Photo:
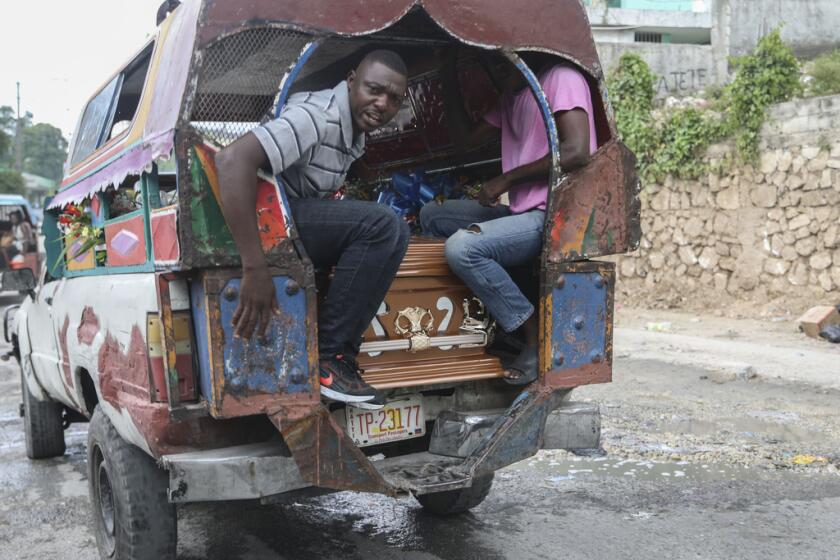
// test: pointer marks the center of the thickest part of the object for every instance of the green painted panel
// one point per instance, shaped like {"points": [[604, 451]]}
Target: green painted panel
{"points": [[53, 244], [211, 235]]}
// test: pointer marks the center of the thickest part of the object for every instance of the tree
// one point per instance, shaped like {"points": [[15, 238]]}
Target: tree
{"points": [[7, 120], [5, 144], [44, 151], [11, 182], [8, 125]]}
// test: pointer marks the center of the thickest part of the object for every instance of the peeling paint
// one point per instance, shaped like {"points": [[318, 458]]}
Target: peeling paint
{"points": [[88, 327], [118, 368]]}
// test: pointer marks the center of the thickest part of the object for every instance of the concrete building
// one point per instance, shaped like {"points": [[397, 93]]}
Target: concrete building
{"points": [[811, 27], [687, 43]]}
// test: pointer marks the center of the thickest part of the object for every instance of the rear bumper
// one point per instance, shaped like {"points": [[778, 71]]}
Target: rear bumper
{"points": [[258, 471], [243, 472]]}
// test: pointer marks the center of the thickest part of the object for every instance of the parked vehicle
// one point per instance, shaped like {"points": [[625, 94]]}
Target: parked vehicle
{"points": [[16, 251], [130, 324]]}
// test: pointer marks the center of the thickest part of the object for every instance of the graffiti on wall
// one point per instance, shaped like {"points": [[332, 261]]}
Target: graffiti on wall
{"points": [[683, 81]]}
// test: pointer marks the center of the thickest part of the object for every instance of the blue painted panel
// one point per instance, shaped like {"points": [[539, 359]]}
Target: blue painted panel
{"points": [[579, 313], [202, 338], [106, 271], [279, 365], [287, 85]]}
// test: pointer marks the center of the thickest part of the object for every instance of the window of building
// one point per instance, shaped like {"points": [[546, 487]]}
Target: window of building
{"points": [[652, 37]]}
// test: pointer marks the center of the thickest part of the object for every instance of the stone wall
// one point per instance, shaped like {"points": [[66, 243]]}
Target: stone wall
{"points": [[763, 233]]}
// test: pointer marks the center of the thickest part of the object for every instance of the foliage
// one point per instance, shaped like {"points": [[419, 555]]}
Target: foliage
{"points": [[44, 151], [767, 76], [662, 146], [673, 142], [824, 74], [43, 148], [682, 138], [11, 182], [631, 93], [7, 120], [5, 144]]}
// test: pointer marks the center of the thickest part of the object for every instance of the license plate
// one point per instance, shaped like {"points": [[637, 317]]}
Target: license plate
{"points": [[401, 418]]}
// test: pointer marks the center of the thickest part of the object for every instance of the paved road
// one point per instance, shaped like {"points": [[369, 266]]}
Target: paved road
{"points": [[696, 467]]}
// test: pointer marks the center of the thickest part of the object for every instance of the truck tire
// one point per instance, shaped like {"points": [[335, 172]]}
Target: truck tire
{"points": [[132, 517], [42, 424], [457, 501]]}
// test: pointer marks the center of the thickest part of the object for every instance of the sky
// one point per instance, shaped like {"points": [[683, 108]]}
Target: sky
{"points": [[62, 51]]}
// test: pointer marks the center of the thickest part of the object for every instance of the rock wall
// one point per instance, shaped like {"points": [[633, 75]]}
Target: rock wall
{"points": [[762, 234]]}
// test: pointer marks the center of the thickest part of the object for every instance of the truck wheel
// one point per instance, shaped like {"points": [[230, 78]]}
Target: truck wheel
{"points": [[457, 501], [42, 425], [132, 517]]}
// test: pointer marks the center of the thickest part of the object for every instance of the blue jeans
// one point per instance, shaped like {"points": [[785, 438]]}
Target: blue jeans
{"points": [[482, 243], [365, 242]]}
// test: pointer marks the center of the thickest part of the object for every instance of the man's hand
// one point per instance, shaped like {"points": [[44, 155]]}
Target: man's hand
{"points": [[257, 303], [492, 190]]}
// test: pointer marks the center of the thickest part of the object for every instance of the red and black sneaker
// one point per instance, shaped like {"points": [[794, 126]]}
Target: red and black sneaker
{"points": [[341, 380]]}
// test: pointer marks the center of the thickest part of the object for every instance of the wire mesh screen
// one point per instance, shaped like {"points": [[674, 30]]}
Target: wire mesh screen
{"points": [[239, 80]]}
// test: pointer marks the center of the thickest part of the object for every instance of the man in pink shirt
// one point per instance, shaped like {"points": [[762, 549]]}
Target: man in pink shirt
{"points": [[485, 237]]}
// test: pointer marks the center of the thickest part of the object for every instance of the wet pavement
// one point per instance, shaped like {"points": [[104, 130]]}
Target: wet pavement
{"points": [[690, 469]]}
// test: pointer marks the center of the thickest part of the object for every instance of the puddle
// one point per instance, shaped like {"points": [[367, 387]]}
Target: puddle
{"points": [[750, 427], [579, 468]]}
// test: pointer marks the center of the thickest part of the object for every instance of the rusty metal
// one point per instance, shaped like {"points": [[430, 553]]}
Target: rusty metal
{"points": [[518, 434], [599, 369], [226, 400], [292, 287], [326, 456], [595, 210], [561, 26]]}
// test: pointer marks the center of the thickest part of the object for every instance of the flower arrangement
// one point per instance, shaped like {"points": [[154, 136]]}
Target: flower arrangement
{"points": [[76, 225]]}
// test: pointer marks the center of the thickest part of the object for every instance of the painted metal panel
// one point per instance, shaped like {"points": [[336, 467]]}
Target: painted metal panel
{"points": [[208, 237], [208, 232], [595, 210], [166, 247], [76, 260], [276, 366], [578, 316], [112, 169], [109, 345], [43, 342], [559, 25], [125, 241], [243, 378], [202, 338]]}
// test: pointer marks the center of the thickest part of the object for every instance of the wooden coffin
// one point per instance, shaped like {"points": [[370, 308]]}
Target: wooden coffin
{"points": [[425, 283]]}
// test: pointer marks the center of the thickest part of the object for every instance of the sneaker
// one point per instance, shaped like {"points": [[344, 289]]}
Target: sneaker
{"points": [[341, 381], [374, 404]]}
